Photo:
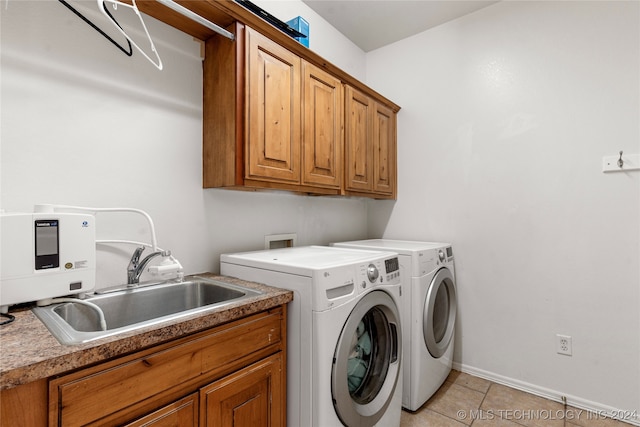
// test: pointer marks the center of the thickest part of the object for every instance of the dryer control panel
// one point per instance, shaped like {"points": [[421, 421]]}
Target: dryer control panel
{"points": [[445, 254]]}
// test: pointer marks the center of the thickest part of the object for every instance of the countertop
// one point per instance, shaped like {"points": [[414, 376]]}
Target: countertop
{"points": [[28, 351]]}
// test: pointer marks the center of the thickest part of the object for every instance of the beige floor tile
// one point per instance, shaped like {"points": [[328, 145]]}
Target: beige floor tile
{"points": [[427, 418], [522, 408], [598, 423], [456, 402], [493, 422], [583, 418], [474, 383], [467, 400], [453, 375]]}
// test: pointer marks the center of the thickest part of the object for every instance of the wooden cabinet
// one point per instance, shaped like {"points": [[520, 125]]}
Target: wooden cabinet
{"points": [[370, 146], [358, 141], [250, 397], [322, 127], [183, 413], [272, 124], [246, 398], [275, 120], [271, 119], [231, 375], [24, 405]]}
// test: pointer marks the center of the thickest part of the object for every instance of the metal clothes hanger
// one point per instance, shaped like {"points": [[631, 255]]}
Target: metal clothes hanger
{"points": [[103, 8], [169, 3], [127, 52]]}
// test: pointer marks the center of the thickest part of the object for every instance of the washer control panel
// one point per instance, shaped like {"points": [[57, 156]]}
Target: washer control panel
{"points": [[372, 273], [392, 268], [384, 271]]}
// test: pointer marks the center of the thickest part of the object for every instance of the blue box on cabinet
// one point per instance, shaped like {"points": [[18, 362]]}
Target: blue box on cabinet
{"points": [[301, 25]]}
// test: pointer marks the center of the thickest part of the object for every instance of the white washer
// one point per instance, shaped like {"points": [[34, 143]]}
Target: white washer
{"points": [[429, 312], [344, 337]]}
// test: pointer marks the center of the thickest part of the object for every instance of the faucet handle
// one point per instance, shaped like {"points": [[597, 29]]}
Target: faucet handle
{"points": [[135, 258]]}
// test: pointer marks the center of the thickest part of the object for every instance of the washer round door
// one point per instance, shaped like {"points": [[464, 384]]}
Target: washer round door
{"points": [[366, 362], [439, 313]]}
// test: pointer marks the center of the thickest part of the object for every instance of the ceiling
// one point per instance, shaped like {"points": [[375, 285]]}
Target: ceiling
{"points": [[371, 24]]}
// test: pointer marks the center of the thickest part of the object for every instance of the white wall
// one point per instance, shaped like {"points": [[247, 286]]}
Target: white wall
{"points": [[506, 115], [83, 124]]}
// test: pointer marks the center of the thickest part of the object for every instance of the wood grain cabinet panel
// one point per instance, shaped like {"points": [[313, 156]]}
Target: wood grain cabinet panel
{"points": [[358, 141], [95, 396], [273, 111], [384, 150], [24, 405], [183, 413], [322, 138], [249, 398], [370, 146]]}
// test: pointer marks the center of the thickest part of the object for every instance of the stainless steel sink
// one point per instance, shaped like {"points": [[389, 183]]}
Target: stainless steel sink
{"points": [[130, 309]]}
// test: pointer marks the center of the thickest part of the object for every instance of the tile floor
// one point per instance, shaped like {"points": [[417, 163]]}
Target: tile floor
{"points": [[465, 400]]}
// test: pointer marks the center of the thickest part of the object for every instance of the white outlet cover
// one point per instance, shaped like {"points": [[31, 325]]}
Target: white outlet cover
{"points": [[564, 345]]}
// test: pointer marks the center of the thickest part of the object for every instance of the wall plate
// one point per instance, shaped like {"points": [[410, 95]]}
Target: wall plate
{"points": [[276, 241], [630, 162]]}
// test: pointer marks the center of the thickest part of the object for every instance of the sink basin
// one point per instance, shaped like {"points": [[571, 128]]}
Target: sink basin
{"points": [[130, 309]]}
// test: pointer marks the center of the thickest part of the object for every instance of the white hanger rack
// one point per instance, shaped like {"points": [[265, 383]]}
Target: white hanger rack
{"points": [[197, 18], [168, 3], [134, 7]]}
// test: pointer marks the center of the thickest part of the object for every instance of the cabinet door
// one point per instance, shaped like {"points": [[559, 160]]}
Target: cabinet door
{"points": [[272, 122], [384, 150], [322, 124], [370, 146], [358, 141], [251, 397], [183, 413]]}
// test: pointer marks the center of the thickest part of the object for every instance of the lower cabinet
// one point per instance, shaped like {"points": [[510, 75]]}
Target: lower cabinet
{"points": [[231, 375], [183, 413], [250, 397], [247, 398]]}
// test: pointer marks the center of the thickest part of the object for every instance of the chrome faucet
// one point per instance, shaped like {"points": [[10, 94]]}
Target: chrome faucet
{"points": [[136, 267]]}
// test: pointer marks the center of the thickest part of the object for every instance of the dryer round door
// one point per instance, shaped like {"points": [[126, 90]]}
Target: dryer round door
{"points": [[366, 362], [439, 313]]}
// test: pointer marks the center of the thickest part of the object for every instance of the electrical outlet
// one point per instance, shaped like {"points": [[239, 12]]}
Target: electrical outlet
{"points": [[563, 344]]}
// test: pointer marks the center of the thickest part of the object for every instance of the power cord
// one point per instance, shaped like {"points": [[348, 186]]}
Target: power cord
{"points": [[10, 318]]}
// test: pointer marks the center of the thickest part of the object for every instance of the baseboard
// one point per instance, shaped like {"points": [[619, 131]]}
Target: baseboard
{"points": [[556, 396]]}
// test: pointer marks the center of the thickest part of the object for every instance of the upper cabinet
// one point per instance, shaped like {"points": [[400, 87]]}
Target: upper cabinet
{"points": [[272, 125], [384, 150], [293, 118], [275, 118], [370, 148], [322, 128]]}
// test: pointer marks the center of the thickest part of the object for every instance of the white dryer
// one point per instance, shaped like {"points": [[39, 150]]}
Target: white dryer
{"points": [[344, 337], [429, 313]]}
